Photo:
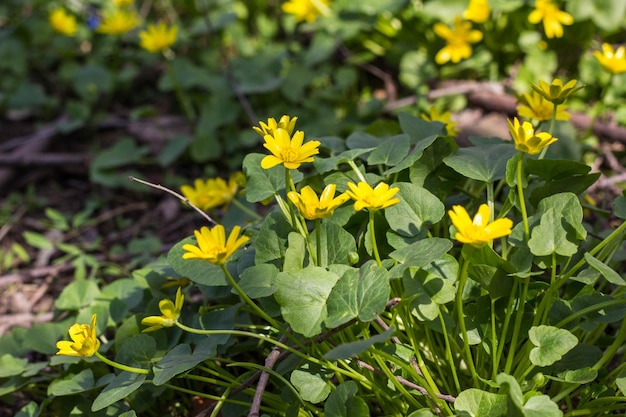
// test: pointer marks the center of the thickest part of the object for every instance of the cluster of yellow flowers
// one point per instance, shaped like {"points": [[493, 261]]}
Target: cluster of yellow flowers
{"points": [[117, 19]]}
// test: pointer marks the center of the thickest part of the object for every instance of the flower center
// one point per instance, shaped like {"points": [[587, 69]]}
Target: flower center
{"points": [[289, 154]]}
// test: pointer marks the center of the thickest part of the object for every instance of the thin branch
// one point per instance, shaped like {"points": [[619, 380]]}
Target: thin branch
{"points": [[270, 361], [174, 193], [405, 382]]}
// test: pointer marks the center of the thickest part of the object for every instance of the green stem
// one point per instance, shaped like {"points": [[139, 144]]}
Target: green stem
{"points": [[249, 301], [449, 356], [463, 276], [541, 315], [121, 366], [517, 326], [246, 210], [180, 95], [373, 236], [349, 373], [494, 342], [318, 240], [507, 321], [550, 130], [520, 193], [357, 171]]}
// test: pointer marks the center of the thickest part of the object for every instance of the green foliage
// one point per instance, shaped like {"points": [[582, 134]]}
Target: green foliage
{"points": [[376, 312]]}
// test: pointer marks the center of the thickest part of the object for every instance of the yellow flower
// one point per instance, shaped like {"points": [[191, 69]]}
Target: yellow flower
{"points": [[118, 21], [288, 151], [63, 22], [478, 231], [525, 138], [84, 341], [477, 11], [534, 106], [213, 246], [312, 207], [123, 3], [157, 38], [551, 16], [170, 313], [307, 10], [434, 115], [287, 123], [458, 40], [214, 192], [556, 92], [370, 198], [613, 61]]}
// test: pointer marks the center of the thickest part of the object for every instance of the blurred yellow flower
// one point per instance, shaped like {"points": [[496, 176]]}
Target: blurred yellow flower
{"points": [[170, 313], [613, 61], [123, 3], [434, 115], [458, 41], [556, 92], [118, 21], [552, 18], [63, 22], [213, 246], [477, 11], [311, 207], [373, 199], [525, 138], [534, 106], [214, 192], [287, 123], [157, 38], [290, 152], [84, 341], [478, 231], [308, 10]]}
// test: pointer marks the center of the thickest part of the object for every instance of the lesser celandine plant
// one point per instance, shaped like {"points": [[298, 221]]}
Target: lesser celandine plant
{"points": [[500, 305], [397, 274]]}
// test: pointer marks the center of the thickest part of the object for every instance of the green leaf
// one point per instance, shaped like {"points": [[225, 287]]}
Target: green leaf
{"points": [[570, 211], [323, 165], [550, 237], [551, 343], [264, 183], [72, 384], [312, 387], [619, 207], [302, 296], [181, 359], [37, 240], [575, 184], [390, 152], [258, 73], [576, 376], [361, 293], [606, 14], [479, 403], [137, 351], [486, 163], [295, 253], [343, 402], [259, 280], [92, 80], [419, 129], [120, 387], [127, 290], [428, 287], [197, 270], [606, 271], [553, 169], [10, 365], [336, 242], [105, 168], [29, 410], [417, 208], [77, 295], [419, 254], [351, 349], [271, 242], [541, 406]]}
